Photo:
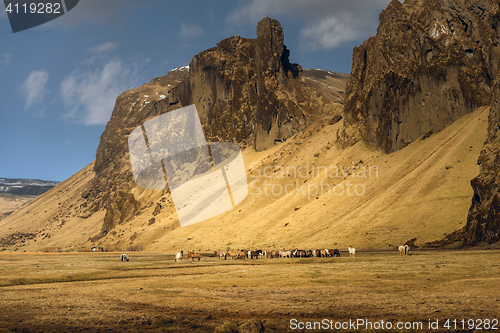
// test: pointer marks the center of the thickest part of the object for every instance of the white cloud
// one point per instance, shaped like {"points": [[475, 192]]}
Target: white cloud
{"points": [[103, 48], [34, 87], [331, 32], [189, 32], [326, 23], [91, 95], [5, 58]]}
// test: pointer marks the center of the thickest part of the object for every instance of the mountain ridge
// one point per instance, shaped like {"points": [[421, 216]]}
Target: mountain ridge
{"points": [[247, 92]]}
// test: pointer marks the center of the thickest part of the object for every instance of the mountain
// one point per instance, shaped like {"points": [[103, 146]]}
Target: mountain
{"points": [[15, 193], [320, 173], [429, 64], [330, 84], [25, 186], [483, 222], [245, 90]]}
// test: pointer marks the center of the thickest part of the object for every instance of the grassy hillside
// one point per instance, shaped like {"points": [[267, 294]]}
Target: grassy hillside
{"points": [[422, 192]]}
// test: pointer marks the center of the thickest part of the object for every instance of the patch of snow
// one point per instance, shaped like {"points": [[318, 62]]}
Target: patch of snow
{"points": [[182, 68], [439, 30], [162, 97]]}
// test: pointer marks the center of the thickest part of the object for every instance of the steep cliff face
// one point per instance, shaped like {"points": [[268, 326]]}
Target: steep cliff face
{"points": [[246, 91], [428, 65], [483, 221]]}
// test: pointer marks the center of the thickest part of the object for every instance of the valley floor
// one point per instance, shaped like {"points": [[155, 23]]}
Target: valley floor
{"points": [[96, 292]]}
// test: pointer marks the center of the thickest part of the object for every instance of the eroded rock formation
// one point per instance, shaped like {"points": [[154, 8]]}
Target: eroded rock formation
{"points": [[428, 65], [483, 221], [246, 91]]}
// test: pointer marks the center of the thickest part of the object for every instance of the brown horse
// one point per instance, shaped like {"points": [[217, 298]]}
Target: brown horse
{"points": [[193, 255]]}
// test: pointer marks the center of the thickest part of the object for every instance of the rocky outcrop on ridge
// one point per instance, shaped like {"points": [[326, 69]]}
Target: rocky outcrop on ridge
{"points": [[429, 64], [245, 90]]}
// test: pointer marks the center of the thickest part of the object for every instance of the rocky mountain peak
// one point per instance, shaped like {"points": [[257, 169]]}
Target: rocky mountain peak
{"points": [[246, 91]]}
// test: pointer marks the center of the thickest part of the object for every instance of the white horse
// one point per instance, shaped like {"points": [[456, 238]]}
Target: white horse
{"points": [[123, 257], [178, 256], [404, 250], [285, 254], [352, 251]]}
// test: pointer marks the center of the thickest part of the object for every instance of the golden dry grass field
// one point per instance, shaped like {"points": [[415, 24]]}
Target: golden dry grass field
{"points": [[96, 292]]}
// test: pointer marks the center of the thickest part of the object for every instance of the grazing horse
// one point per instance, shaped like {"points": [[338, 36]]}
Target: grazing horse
{"points": [[324, 253], [254, 254], [300, 254], [193, 255], [274, 254], [221, 254], [336, 253], [285, 254], [352, 251], [178, 256], [317, 253], [404, 250], [309, 253], [233, 254], [263, 254], [123, 257]]}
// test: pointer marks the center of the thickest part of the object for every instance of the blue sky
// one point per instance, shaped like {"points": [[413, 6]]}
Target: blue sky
{"points": [[59, 81]]}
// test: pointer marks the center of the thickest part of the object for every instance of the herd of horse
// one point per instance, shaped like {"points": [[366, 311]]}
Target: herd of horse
{"points": [[256, 254], [260, 254]]}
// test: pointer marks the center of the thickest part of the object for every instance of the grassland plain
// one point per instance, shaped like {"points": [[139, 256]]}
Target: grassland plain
{"points": [[96, 292]]}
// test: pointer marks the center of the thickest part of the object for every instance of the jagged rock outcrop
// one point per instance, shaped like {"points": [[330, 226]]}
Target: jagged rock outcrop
{"points": [[245, 90], [483, 221], [428, 65]]}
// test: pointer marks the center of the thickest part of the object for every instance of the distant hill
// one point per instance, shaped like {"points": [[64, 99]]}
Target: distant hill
{"points": [[25, 186], [15, 193], [330, 84]]}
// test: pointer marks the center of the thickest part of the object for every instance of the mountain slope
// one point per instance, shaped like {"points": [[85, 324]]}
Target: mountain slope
{"points": [[293, 138], [422, 192]]}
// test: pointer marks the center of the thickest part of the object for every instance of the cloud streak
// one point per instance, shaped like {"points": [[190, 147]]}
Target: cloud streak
{"points": [[90, 95], [104, 48], [34, 87], [189, 32], [326, 24]]}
